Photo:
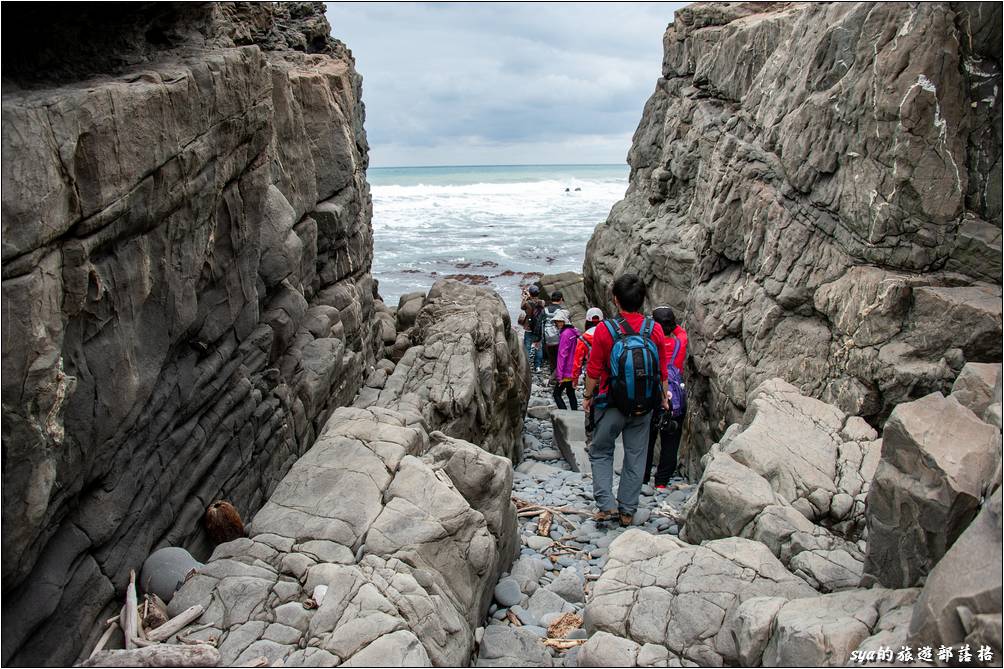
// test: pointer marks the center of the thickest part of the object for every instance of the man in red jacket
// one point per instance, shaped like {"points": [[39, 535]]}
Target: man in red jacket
{"points": [[608, 422]]}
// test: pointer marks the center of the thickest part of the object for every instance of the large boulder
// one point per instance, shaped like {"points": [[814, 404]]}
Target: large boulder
{"points": [[394, 539], [464, 371], [938, 459], [816, 188], [793, 475], [659, 590], [962, 598], [186, 286], [572, 292]]}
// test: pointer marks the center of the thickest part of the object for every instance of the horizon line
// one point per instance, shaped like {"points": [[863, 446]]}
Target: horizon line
{"points": [[395, 167]]}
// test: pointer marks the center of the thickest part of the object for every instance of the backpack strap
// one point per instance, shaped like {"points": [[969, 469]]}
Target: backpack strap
{"points": [[582, 338], [647, 326], [625, 326], [613, 327], [676, 349]]}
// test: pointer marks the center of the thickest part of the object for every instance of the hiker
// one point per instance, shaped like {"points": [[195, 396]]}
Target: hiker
{"points": [[550, 335], [566, 350], [582, 347], [667, 426], [626, 378], [593, 317], [530, 316]]}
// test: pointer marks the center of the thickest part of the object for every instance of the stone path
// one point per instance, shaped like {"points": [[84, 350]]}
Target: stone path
{"points": [[554, 572]]}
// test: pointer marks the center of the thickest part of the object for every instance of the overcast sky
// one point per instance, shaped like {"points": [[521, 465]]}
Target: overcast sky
{"points": [[503, 83]]}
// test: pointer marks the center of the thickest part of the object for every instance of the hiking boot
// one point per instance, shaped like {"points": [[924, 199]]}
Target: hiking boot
{"points": [[626, 519], [604, 516]]}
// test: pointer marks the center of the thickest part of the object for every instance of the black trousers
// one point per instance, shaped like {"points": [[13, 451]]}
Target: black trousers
{"points": [[669, 436], [551, 352], [565, 386]]}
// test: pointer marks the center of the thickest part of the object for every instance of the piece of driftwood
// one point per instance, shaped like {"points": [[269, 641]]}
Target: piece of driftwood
{"points": [[129, 617], [513, 619], [160, 655], [562, 644], [154, 612], [260, 661], [175, 624], [100, 646], [560, 628], [544, 523]]}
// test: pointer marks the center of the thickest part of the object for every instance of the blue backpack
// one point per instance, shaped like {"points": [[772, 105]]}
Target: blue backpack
{"points": [[635, 381], [676, 387]]}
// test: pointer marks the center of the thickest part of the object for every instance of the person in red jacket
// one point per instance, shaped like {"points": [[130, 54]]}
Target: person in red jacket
{"points": [[629, 296], [593, 317], [665, 428]]}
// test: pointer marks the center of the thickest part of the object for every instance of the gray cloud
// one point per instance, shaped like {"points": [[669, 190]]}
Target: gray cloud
{"points": [[457, 83]]}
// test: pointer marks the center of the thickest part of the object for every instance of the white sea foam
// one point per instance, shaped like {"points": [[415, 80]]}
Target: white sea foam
{"points": [[495, 222]]}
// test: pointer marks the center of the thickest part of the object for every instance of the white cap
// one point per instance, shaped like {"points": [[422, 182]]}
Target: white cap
{"points": [[594, 312], [561, 315]]}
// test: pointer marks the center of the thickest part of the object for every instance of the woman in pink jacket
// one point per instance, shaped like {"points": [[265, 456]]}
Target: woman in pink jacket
{"points": [[566, 353]]}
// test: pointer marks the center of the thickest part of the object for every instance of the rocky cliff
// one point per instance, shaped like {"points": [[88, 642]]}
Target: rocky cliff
{"points": [[186, 284], [818, 187]]}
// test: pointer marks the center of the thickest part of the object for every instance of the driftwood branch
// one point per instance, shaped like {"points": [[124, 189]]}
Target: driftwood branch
{"points": [[562, 644], [100, 646], [260, 661], [129, 616], [160, 655], [175, 624]]}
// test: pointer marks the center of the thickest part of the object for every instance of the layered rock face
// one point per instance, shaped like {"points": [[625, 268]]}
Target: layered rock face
{"points": [[819, 187], [186, 287]]}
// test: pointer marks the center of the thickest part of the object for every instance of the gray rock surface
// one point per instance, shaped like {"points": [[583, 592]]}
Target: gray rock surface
{"points": [[186, 288], [572, 291], [659, 590], [937, 460], [408, 533], [793, 475], [464, 371], [964, 586], [818, 206]]}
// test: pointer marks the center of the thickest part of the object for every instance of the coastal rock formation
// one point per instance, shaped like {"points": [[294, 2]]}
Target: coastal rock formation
{"points": [[938, 459], [819, 187], [572, 291], [380, 547], [962, 598], [186, 286], [463, 369], [687, 599], [793, 475]]}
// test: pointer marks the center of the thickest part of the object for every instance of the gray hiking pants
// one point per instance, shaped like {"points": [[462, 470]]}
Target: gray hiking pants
{"points": [[609, 423]]}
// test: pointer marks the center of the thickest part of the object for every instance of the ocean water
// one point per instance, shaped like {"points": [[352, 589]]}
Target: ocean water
{"points": [[500, 226]]}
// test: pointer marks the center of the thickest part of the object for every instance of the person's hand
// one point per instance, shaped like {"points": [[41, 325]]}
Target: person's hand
{"points": [[586, 403], [665, 403]]}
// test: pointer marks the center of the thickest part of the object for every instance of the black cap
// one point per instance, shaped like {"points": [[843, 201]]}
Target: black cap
{"points": [[556, 295], [665, 317], [533, 290]]}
